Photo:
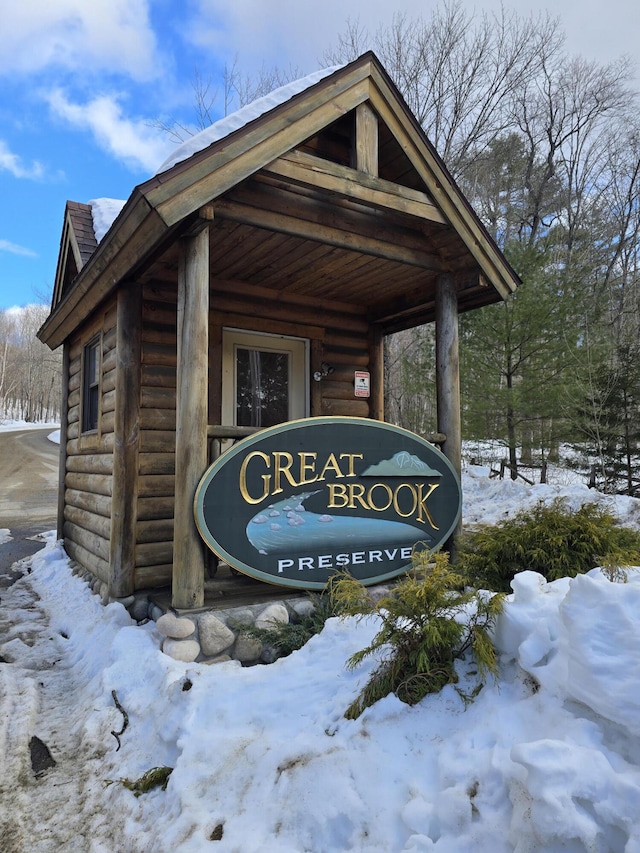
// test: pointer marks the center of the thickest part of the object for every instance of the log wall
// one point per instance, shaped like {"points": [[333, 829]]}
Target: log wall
{"points": [[88, 480], [340, 336], [156, 458]]}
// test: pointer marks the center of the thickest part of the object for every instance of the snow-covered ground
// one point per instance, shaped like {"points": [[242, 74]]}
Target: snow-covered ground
{"points": [[546, 759]]}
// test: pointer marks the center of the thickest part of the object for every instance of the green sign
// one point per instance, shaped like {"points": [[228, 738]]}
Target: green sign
{"points": [[297, 502]]}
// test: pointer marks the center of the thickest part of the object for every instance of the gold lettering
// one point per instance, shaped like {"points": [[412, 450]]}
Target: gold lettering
{"points": [[331, 465], [389, 497], [337, 492], [351, 457], [279, 469], [422, 504], [356, 491], [309, 466], [396, 503], [243, 477]]}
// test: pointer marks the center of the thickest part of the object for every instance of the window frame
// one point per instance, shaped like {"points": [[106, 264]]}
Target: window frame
{"points": [[91, 386], [296, 347]]}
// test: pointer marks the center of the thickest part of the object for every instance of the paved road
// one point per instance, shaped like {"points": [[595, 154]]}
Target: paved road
{"points": [[28, 491]]}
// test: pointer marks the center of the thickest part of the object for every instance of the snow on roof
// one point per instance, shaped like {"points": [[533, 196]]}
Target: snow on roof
{"points": [[104, 212], [224, 126]]}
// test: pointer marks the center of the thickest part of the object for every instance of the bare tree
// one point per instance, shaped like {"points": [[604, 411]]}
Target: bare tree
{"points": [[29, 372]]}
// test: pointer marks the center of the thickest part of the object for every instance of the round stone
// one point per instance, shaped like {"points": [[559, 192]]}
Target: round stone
{"points": [[247, 649], [183, 650], [140, 608], [215, 637], [272, 616], [171, 626]]}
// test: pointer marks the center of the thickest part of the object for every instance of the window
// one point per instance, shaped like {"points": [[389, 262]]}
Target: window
{"points": [[90, 385], [264, 379]]}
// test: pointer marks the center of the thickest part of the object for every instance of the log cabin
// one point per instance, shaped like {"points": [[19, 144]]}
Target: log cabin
{"points": [[284, 242]]}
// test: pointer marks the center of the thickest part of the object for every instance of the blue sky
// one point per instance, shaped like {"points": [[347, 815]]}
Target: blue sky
{"points": [[82, 83]]}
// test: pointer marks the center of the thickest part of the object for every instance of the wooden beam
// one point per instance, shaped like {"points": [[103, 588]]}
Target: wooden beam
{"points": [[137, 237], [376, 371], [366, 140], [445, 192], [308, 170], [448, 379], [64, 415], [191, 417], [448, 369], [322, 233], [125, 451], [210, 173]]}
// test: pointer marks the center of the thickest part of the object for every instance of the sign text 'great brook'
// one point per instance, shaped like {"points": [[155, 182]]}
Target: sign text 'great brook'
{"points": [[296, 502]]}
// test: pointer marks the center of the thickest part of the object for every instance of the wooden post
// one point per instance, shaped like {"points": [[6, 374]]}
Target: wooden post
{"points": [[366, 140], [376, 370], [317, 354], [191, 416], [448, 379], [64, 418], [122, 540]]}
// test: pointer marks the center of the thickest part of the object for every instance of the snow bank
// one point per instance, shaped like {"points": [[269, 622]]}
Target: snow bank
{"points": [[546, 759]]}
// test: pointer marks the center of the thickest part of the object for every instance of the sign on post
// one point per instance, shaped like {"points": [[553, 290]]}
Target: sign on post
{"points": [[297, 502]]}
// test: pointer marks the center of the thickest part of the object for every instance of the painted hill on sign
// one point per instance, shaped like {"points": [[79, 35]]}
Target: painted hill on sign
{"points": [[398, 466]]}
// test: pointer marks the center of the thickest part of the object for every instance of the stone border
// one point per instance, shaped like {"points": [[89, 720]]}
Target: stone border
{"points": [[211, 636], [208, 636]]}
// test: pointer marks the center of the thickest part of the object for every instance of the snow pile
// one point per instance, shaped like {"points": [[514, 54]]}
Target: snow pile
{"points": [[546, 759], [104, 212]]}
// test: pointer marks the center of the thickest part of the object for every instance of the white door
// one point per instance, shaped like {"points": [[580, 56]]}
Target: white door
{"points": [[264, 378]]}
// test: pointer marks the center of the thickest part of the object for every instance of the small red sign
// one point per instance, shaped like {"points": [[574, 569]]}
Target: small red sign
{"points": [[362, 383]]}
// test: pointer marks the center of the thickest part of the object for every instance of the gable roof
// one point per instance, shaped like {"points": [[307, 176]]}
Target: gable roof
{"points": [[292, 152]]}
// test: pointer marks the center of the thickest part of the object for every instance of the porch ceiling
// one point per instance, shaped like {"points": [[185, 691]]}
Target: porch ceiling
{"points": [[275, 234]]}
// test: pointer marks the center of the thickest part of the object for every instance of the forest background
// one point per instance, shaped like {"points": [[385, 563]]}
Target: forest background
{"points": [[546, 146]]}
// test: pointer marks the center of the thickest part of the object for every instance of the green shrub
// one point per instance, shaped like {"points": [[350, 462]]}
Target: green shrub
{"points": [[287, 637], [423, 631], [552, 540]]}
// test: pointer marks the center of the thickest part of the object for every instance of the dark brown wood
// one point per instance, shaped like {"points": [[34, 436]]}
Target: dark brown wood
{"points": [[149, 577], [62, 464], [125, 454], [151, 507], [191, 417], [305, 169], [154, 530], [448, 371], [215, 373], [376, 370], [321, 231], [345, 408], [156, 463], [448, 382], [317, 357]]}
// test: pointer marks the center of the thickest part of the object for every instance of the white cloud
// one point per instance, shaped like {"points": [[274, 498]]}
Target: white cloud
{"points": [[78, 34], [132, 141], [291, 31], [13, 164], [14, 249]]}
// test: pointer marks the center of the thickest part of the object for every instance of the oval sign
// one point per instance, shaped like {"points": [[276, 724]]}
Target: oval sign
{"points": [[297, 502]]}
